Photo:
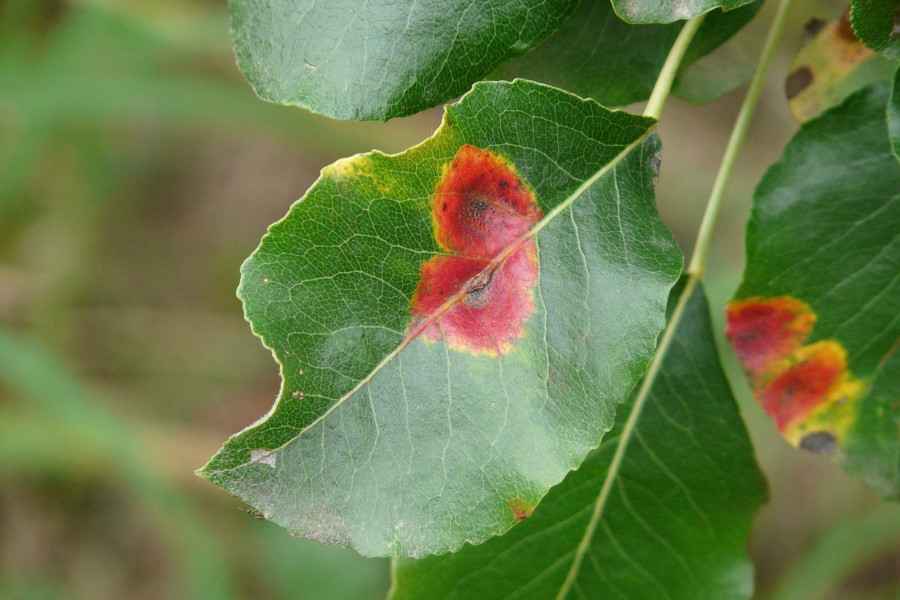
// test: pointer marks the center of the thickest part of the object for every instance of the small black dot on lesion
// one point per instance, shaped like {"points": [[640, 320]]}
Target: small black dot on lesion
{"points": [[819, 442], [477, 293], [476, 206]]}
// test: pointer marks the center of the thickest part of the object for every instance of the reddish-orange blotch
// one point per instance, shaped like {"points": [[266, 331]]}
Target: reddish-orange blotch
{"points": [[478, 296]]}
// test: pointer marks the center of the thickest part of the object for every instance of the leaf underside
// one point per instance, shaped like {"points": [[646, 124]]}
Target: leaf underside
{"points": [[407, 446], [674, 523]]}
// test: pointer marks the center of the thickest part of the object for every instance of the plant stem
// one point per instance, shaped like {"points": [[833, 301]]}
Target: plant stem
{"points": [[625, 438], [738, 133], [654, 109], [663, 84]]}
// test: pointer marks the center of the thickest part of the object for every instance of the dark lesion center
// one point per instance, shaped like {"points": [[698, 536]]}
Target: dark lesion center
{"points": [[477, 289], [476, 206], [819, 442]]}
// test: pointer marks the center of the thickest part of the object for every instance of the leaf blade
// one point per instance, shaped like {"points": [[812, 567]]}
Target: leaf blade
{"points": [[651, 11], [329, 290], [877, 23]]}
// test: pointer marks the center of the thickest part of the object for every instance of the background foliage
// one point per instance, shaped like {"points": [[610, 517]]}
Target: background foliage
{"points": [[137, 170]]}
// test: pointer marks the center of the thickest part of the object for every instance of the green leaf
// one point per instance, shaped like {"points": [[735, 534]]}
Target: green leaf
{"points": [[394, 444], [830, 67], [893, 115], [814, 321], [596, 54], [381, 59], [655, 11], [668, 519], [877, 23]]}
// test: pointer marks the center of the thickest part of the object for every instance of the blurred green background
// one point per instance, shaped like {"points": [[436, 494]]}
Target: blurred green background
{"points": [[137, 171]]}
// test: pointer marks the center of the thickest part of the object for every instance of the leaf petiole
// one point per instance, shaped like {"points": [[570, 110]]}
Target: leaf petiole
{"points": [[663, 84], [735, 141]]}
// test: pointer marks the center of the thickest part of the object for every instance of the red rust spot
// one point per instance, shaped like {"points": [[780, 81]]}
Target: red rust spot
{"points": [[481, 208], [521, 508], [764, 330], [799, 386], [480, 205], [814, 374]]}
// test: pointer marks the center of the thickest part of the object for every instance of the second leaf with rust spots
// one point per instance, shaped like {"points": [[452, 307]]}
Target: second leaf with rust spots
{"points": [[814, 322], [455, 325]]}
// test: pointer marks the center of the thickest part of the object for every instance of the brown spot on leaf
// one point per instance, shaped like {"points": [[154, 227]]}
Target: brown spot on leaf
{"points": [[521, 508], [813, 27], [254, 512], [797, 81], [655, 163]]}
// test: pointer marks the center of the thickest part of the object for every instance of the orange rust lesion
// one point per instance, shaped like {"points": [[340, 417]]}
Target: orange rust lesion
{"points": [[765, 330], [480, 205], [807, 389], [479, 295], [521, 508], [811, 378]]}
